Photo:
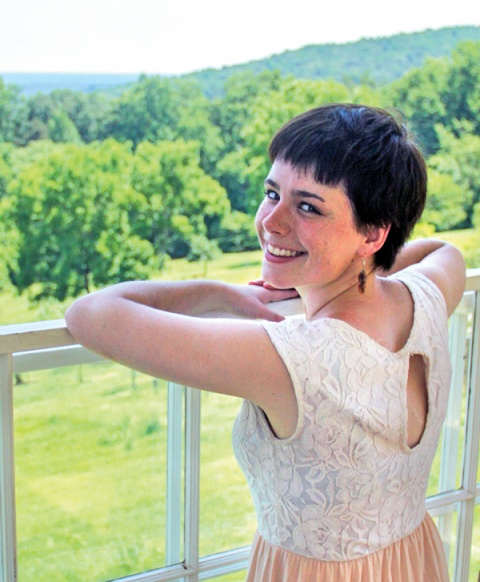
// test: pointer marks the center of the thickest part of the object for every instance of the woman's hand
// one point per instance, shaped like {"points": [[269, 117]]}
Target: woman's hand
{"points": [[262, 283], [250, 301]]}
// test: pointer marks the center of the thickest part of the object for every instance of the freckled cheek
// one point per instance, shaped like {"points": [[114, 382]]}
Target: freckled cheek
{"points": [[321, 252]]}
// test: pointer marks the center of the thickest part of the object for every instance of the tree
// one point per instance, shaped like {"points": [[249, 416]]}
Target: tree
{"points": [[175, 199], [236, 233], [418, 95], [458, 157], [443, 209], [233, 111], [86, 111], [471, 251], [9, 235], [62, 115], [72, 218], [62, 129], [148, 111], [39, 110], [11, 111], [6, 170], [202, 249], [232, 174], [462, 89], [195, 124]]}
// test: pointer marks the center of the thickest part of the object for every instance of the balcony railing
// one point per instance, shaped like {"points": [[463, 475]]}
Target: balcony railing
{"points": [[47, 345]]}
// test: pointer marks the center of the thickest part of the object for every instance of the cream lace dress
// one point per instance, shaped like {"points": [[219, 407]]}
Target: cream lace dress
{"points": [[343, 499]]}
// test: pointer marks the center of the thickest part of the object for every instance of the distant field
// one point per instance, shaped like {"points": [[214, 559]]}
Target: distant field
{"points": [[462, 239], [90, 452], [229, 267]]}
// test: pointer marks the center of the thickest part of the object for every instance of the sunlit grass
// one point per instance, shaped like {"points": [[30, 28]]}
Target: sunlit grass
{"points": [[90, 454], [229, 267], [460, 238]]}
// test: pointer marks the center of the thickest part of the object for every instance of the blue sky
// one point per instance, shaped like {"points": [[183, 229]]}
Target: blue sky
{"points": [[178, 36]]}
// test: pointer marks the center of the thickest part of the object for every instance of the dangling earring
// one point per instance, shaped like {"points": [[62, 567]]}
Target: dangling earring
{"points": [[362, 278]]}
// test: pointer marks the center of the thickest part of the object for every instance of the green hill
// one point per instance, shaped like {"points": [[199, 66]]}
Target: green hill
{"points": [[376, 60]]}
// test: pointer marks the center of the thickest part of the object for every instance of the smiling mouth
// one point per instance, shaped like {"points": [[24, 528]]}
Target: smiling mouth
{"points": [[280, 252]]}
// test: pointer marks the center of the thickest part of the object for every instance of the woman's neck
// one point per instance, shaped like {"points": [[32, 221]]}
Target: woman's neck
{"points": [[322, 304]]}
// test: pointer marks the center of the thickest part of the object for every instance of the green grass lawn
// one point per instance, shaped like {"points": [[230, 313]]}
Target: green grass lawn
{"points": [[90, 472], [90, 452], [460, 238], [231, 267]]}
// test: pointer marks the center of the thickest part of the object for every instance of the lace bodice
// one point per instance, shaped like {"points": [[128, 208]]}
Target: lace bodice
{"points": [[346, 484]]}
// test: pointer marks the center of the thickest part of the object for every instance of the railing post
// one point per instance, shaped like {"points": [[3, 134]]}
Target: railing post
{"points": [[472, 433], [8, 565], [192, 479], [174, 473], [457, 339]]}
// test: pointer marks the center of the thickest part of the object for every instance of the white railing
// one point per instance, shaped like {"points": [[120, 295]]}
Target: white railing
{"points": [[46, 345]]}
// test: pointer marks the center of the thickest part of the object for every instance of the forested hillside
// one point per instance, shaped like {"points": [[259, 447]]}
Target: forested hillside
{"points": [[95, 189], [371, 60]]}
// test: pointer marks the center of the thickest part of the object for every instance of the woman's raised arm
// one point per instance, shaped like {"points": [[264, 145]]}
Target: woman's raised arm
{"points": [[439, 261], [155, 327]]}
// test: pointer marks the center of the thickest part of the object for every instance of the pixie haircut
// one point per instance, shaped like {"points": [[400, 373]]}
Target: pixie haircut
{"points": [[368, 153]]}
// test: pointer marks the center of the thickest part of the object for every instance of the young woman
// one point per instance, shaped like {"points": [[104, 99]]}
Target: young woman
{"points": [[343, 407]]}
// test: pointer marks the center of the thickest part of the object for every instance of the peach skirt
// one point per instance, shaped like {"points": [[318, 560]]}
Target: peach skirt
{"points": [[419, 557]]}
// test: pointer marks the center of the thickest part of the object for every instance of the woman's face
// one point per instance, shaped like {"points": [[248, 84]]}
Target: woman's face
{"points": [[307, 232]]}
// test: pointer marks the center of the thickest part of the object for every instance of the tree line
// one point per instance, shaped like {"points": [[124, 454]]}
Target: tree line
{"points": [[96, 189]]}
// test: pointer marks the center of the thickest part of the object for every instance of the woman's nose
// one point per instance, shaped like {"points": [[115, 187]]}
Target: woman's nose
{"points": [[276, 220]]}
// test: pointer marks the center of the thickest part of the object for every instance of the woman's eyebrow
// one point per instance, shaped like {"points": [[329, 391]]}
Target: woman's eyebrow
{"points": [[306, 194], [296, 193], [271, 182]]}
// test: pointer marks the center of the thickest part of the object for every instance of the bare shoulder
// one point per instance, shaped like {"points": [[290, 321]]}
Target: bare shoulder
{"points": [[441, 262], [446, 269]]}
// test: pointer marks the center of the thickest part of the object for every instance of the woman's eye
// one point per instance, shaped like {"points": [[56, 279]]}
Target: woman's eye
{"points": [[271, 194], [308, 208]]}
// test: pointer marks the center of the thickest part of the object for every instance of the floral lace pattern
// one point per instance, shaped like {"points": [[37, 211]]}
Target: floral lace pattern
{"points": [[346, 484]]}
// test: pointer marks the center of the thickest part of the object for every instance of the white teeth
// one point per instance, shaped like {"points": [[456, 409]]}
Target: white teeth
{"points": [[281, 252]]}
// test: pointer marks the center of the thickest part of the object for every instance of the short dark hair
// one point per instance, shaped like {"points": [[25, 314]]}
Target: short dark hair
{"points": [[371, 155]]}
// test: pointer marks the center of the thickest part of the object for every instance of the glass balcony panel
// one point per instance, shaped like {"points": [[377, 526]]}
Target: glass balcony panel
{"points": [[446, 473], [90, 454], [474, 571], [447, 526], [478, 468], [227, 517]]}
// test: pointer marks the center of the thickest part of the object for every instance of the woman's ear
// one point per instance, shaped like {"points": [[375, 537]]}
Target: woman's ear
{"points": [[375, 239]]}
